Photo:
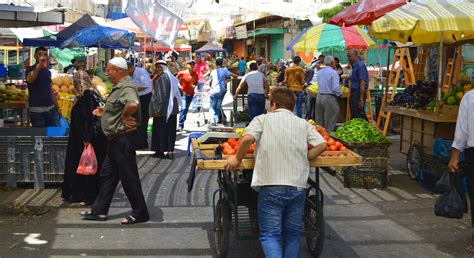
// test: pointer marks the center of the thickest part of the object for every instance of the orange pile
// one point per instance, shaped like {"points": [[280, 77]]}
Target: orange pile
{"points": [[231, 146]]}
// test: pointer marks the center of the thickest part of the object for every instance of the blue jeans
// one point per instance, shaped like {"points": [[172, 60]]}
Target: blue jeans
{"points": [[45, 119], [280, 218], [216, 106], [198, 88], [186, 99], [256, 104], [299, 104]]}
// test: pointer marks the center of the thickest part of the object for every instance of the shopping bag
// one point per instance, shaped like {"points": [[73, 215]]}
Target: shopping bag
{"points": [[443, 184], [452, 203], [88, 161]]}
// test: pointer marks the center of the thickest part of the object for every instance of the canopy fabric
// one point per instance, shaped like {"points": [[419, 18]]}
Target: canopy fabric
{"points": [[125, 24], [161, 48], [427, 22], [85, 21], [56, 40], [27, 16], [22, 33], [328, 37], [209, 47], [365, 12], [100, 36]]}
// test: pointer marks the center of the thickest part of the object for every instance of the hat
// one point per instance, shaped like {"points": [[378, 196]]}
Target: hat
{"points": [[119, 62], [161, 62]]}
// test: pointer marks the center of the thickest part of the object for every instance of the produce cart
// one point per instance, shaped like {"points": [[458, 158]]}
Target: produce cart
{"points": [[236, 207], [419, 128]]}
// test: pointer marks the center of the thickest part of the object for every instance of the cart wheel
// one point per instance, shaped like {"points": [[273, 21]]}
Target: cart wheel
{"points": [[221, 232], [414, 161], [314, 221]]}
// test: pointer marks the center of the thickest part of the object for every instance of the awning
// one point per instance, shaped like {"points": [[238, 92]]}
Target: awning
{"points": [[12, 16], [265, 32]]}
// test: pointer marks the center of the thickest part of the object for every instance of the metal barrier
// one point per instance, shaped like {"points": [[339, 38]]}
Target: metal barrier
{"points": [[32, 159]]}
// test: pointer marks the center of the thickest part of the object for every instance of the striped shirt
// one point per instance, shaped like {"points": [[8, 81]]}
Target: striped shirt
{"points": [[281, 154]]}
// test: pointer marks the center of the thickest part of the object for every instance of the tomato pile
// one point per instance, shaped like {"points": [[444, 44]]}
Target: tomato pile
{"points": [[333, 145], [231, 146]]}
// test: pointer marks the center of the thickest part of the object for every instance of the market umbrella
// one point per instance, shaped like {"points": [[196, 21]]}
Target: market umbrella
{"points": [[426, 22], [100, 36], [327, 37], [209, 47], [365, 12]]}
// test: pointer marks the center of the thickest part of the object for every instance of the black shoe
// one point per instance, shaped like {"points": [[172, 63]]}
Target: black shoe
{"points": [[169, 155], [159, 155]]}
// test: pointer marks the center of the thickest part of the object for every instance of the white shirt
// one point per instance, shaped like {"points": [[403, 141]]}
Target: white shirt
{"points": [[141, 78], [464, 136], [254, 82], [281, 154]]}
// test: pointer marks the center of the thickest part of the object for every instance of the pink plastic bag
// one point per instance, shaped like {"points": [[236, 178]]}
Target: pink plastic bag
{"points": [[88, 162]]}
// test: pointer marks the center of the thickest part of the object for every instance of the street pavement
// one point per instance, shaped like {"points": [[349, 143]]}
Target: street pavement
{"points": [[395, 222]]}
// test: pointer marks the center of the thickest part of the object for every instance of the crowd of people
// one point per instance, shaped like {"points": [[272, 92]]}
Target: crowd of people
{"points": [[117, 126]]}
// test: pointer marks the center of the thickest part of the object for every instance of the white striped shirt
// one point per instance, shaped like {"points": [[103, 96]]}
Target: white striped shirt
{"points": [[281, 154]]}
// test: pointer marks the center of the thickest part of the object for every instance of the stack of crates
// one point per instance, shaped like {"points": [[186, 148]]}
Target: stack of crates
{"points": [[373, 173], [65, 102]]}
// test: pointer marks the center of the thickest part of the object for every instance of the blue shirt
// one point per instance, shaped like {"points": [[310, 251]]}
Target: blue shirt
{"points": [[359, 72], [328, 82], [40, 90], [242, 66], [218, 78]]}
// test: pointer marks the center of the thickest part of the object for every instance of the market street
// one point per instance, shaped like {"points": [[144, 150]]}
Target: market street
{"points": [[396, 222]]}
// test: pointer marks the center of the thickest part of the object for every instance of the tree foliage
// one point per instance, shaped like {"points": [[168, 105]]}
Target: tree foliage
{"points": [[327, 14]]}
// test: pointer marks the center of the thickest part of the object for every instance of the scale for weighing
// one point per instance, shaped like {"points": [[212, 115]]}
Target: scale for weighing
{"points": [[217, 134]]}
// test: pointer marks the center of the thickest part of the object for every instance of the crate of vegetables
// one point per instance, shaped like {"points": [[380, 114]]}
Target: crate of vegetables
{"points": [[361, 137]]}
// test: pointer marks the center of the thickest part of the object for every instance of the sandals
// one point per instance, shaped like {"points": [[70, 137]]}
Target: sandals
{"points": [[132, 220], [89, 215]]}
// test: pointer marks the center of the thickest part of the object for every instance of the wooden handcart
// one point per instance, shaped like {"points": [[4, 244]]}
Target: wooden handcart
{"points": [[236, 208]]}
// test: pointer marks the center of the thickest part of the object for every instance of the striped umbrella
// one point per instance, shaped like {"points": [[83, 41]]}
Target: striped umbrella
{"points": [[426, 22], [327, 37]]}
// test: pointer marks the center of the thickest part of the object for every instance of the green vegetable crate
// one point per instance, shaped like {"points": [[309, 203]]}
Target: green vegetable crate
{"points": [[373, 173]]}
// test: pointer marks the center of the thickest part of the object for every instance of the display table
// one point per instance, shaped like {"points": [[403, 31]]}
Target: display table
{"points": [[422, 127]]}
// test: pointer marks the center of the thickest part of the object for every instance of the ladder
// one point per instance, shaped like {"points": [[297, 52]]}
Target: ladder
{"points": [[419, 64], [402, 55], [457, 65], [448, 76]]}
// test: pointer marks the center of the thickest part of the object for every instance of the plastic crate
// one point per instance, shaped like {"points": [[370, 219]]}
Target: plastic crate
{"points": [[33, 155], [369, 150], [65, 102], [369, 179]]}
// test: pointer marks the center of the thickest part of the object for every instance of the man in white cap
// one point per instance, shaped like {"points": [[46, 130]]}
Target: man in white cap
{"points": [[119, 121]]}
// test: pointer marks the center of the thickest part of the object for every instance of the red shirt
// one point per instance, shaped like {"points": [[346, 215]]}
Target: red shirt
{"points": [[187, 81]]}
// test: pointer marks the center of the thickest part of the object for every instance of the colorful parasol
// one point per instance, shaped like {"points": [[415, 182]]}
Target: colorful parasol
{"points": [[365, 12], [327, 37], [426, 22]]}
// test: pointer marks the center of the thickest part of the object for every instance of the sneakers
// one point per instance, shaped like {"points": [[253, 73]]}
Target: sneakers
{"points": [[180, 129]]}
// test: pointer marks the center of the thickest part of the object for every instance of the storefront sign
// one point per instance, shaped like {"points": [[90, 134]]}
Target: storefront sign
{"points": [[241, 32]]}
